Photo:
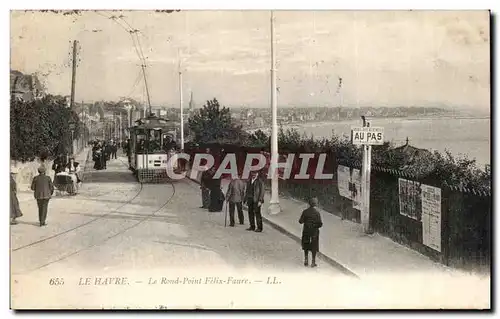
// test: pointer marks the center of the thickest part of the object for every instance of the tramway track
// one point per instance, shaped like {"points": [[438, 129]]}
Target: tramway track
{"points": [[86, 170], [104, 240], [141, 186]]}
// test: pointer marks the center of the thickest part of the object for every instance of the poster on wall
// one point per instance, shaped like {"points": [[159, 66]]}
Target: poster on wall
{"points": [[356, 189], [343, 180], [431, 217], [409, 199]]}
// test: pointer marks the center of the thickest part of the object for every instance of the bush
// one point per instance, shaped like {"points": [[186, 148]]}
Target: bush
{"points": [[445, 168], [40, 128]]}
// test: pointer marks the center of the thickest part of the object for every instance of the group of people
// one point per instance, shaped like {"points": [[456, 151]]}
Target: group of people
{"points": [[252, 192], [67, 174], [238, 192], [102, 152]]}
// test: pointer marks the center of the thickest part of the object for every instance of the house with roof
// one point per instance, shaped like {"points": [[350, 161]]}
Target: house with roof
{"points": [[25, 87]]}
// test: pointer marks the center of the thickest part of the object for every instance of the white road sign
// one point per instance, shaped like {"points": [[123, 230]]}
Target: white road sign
{"points": [[367, 135]]}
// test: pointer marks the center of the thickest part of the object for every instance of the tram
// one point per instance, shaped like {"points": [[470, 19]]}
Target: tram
{"points": [[153, 142]]}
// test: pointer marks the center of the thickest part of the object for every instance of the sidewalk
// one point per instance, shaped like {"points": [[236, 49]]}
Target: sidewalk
{"points": [[24, 192], [345, 246]]}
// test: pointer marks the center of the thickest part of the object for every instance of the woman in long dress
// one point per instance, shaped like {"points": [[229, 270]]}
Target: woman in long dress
{"points": [[216, 194], [98, 159], [15, 210]]}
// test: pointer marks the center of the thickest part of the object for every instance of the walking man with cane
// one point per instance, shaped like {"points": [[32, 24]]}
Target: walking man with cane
{"points": [[234, 197]]}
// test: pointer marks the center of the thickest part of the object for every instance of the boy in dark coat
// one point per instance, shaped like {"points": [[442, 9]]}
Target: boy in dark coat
{"points": [[43, 188], [311, 219]]}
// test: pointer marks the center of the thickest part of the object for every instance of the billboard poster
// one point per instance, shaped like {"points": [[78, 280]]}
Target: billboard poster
{"points": [[409, 199], [431, 217], [343, 180], [356, 189]]}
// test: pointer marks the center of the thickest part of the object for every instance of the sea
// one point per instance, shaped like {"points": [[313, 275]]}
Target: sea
{"points": [[461, 136]]}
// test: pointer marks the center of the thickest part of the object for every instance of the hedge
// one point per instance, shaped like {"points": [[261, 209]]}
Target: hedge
{"points": [[40, 128]]}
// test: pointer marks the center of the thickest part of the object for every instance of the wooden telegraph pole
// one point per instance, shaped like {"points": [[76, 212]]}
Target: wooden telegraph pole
{"points": [[73, 74]]}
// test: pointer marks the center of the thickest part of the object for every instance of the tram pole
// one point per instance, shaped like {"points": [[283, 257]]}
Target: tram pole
{"points": [[274, 203], [181, 104], [146, 84]]}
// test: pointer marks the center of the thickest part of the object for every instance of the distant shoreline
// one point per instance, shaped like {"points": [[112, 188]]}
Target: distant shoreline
{"points": [[323, 122]]}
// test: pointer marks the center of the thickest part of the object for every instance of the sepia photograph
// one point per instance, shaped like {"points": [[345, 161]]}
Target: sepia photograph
{"points": [[250, 159]]}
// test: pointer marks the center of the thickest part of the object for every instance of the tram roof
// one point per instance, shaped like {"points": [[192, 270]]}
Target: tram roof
{"points": [[154, 122]]}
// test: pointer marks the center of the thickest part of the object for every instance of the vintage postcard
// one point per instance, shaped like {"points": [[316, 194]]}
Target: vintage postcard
{"points": [[177, 159]]}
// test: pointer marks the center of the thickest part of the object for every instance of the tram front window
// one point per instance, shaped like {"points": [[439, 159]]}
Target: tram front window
{"points": [[155, 143], [141, 144]]}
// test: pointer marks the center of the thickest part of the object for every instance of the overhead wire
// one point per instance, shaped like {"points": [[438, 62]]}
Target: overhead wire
{"points": [[131, 31], [135, 31], [137, 80]]}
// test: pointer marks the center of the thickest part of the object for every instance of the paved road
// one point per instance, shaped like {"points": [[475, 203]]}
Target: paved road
{"points": [[116, 227]]}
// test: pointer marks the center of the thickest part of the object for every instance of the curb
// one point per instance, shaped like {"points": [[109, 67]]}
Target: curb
{"points": [[329, 260]]}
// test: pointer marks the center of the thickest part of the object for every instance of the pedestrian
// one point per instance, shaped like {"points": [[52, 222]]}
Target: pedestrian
{"points": [[235, 196], [311, 219], [58, 165], [105, 155], [43, 190], [255, 198], [206, 179], [114, 150], [15, 209], [216, 194]]}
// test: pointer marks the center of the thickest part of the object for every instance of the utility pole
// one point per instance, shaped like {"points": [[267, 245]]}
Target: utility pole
{"points": [[73, 74], [274, 203], [365, 184], [182, 104], [147, 89], [82, 133]]}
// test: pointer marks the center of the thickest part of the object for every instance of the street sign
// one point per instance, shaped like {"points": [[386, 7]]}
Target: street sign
{"points": [[367, 135]]}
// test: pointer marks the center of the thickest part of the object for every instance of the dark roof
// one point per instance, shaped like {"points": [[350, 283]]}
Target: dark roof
{"points": [[152, 122], [417, 160]]}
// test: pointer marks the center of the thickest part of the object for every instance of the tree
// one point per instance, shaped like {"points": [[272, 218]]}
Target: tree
{"points": [[260, 139], [41, 127], [212, 123]]}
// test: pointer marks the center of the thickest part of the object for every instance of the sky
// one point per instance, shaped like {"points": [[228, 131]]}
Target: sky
{"points": [[384, 58]]}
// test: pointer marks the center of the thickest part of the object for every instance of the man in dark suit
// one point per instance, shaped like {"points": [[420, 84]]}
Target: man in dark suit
{"points": [[254, 196], [43, 190], [235, 196]]}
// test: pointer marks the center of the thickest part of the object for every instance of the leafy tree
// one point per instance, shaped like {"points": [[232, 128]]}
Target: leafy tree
{"points": [[41, 128], [260, 139], [212, 123]]}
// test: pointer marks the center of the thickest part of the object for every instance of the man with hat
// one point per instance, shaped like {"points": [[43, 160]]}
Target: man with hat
{"points": [[43, 190]]}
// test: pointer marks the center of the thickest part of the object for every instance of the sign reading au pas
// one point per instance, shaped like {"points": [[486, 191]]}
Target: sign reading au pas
{"points": [[367, 135]]}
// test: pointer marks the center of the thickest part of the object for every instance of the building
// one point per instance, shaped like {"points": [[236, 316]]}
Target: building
{"points": [[25, 87]]}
